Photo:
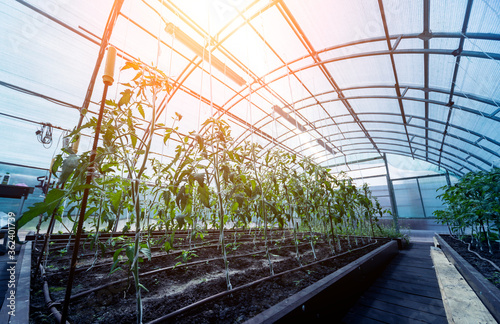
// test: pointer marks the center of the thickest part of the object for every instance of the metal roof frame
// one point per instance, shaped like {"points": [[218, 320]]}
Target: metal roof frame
{"points": [[330, 124]]}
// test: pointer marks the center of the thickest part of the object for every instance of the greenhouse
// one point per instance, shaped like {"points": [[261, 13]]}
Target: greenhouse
{"points": [[250, 161]]}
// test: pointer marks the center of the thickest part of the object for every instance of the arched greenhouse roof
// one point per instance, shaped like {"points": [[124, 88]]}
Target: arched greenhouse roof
{"points": [[334, 80]]}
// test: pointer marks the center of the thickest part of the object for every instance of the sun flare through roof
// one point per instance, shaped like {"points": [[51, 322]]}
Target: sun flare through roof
{"points": [[334, 80]]}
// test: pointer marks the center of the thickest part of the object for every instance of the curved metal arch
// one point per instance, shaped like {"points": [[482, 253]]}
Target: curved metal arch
{"points": [[300, 151], [474, 144], [495, 56], [484, 36], [411, 153], [431, 101], [384, 38], [446, 166], [420, 157], [412, 87], [265, 85], [489, 55], [497, 119], [420, 144], [432, 129], [401, 140], [423, 127], [422, 36], [422, 148]]}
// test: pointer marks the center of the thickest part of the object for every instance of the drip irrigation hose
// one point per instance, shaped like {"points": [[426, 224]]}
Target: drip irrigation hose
{"points": [[156, 233], [477, 254], [145, 274], [78, 270], [203, 245], [224, 293], [171, 253], [51, 305]]}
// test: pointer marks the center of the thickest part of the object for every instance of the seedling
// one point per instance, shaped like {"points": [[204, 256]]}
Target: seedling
{"points": [[186, 256]]}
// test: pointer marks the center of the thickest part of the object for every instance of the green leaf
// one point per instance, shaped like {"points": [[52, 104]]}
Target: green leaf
{"points": [[180, 220], [200, 178], [113, 270], [146, 252], [235, 206], [200, 141], [166, 197], [57, 163], [239, 198], [137, 76], [111, 103], [181, 198], [125, 99], [51, 202], [130, 64], [115, 197], [204, 195], [141, 286], [117, 254], [90, 212], [133, 138], [168, 132], [141, 110], [130, 253]]}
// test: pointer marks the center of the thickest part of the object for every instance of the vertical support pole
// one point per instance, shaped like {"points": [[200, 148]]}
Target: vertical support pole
{"points": [[421, 198], [392, 197], [110, 24], [108, 80], [448, 178]]}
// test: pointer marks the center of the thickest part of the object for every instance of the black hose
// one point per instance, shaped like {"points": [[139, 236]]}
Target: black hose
{"points": [[51, 305], [224, 293]]}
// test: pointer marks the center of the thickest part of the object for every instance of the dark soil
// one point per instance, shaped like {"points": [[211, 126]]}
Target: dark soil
{"points": [[484, 267], [203, 276]]}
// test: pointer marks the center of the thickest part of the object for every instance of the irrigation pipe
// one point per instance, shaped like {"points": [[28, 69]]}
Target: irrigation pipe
{"points": [[51, 305], [155, 233], [78, 270], [224, 293], [145, 274], [201, 245], [477, 254]]}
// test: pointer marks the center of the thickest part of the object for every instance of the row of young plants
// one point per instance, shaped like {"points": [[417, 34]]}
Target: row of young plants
{"points": [[211, 183], [473, 208]]}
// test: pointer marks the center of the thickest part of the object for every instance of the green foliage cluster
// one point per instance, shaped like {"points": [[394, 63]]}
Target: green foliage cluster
{"points": [[473, 207], [210, 183]]}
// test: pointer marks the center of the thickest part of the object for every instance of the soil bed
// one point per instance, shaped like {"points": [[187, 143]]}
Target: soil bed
{"points": [[484, 267], [199, 277]]}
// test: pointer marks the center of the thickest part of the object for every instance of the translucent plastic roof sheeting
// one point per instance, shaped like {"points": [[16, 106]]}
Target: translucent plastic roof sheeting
{"points": [[349, 78]]}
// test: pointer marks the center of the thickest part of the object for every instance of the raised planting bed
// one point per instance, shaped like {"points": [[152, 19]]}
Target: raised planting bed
{"points": [[194, 291], [475, 270], [331, 297]]}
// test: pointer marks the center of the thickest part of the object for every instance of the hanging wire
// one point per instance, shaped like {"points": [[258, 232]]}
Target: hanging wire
{"points": [[293, 102], [169, 73], [479, 81], [39, 95], [492, 9], [207, 43], [480, 112]]}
